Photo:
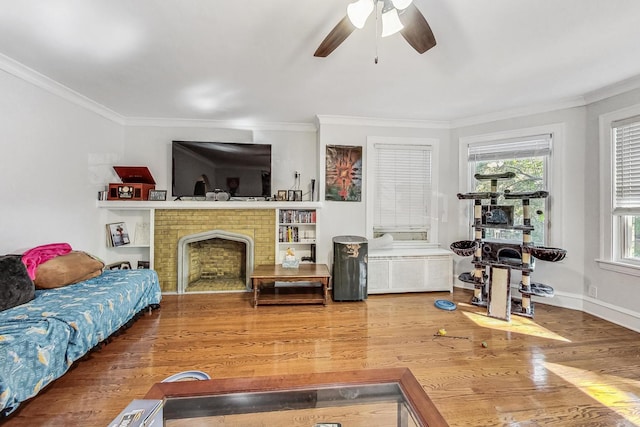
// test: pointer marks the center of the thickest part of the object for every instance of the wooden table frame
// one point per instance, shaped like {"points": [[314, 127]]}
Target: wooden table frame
{"points": [[300, 293], [414, 396]]}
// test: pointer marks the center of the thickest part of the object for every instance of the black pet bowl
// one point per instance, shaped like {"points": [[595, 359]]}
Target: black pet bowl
{"points": [[463, 247], [548, 254]]}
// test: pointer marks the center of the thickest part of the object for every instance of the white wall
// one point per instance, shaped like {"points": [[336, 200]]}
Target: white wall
{"points": [[291, 151], [576, 193], [348, 218], [54, 157], [567, 197], [617, 296]]}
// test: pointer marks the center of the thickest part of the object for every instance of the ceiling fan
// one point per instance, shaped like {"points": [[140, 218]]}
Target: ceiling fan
{"points": [[397, 15]]}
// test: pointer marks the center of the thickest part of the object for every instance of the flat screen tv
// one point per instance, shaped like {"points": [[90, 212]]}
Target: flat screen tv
{"points": [[242, 170]]}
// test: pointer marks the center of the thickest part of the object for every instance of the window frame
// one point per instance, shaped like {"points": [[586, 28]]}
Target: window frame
{"points": [[553, 235], [371, 158], [471, 184], [612, 229]]}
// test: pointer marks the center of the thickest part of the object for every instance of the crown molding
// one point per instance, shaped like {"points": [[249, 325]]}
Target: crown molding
{"points": [[378, 122], [29, 75], [613, 90], [577, 101], [218, 124]]}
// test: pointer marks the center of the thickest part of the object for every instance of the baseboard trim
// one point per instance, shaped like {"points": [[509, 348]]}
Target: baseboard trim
{"points": [[605, 311], [612, 313]]}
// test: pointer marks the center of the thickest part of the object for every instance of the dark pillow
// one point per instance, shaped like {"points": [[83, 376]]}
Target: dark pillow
{"points": [[68, 269], [15, 285]]}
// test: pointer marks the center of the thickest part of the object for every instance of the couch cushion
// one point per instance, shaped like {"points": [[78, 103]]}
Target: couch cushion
{"points": [[63, 270], [15, 285]]}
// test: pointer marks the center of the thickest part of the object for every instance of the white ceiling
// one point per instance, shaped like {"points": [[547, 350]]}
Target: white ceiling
{"points": [[252, 61]]}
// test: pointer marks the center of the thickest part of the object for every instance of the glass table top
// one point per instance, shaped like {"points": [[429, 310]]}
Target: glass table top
{"points": [[380, 397]]}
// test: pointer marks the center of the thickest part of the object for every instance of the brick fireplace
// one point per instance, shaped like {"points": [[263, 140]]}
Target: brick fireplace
{"points": [[171, 225], [215, 260]]}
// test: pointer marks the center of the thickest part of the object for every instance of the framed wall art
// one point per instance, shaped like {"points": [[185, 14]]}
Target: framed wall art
{"points": [[343, 173]]}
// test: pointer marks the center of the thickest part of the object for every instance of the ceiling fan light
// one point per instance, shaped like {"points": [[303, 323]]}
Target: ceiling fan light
{"points": [[359, 11], [391, 23], [401, 4]]}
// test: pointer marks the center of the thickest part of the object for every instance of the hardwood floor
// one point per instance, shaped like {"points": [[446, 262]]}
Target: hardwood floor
{"points": [[563, 368]]}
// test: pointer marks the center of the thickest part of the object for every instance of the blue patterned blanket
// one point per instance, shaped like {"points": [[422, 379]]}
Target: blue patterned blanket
{"points": [[40, 340]]}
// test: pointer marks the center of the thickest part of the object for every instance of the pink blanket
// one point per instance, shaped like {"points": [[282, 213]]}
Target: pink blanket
{"points": [[40, 254]]}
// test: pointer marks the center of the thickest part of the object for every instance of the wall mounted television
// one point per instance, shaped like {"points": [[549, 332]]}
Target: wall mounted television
{"points": [[241, 169]]}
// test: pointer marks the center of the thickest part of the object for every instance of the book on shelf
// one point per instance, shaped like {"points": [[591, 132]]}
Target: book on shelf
{"points": [[293, 234], [117, 234], [293, 216], [288, 233]]}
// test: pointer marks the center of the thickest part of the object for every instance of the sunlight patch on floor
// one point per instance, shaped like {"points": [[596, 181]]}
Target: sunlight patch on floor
{"points": [[619, 394], [518, 324]]}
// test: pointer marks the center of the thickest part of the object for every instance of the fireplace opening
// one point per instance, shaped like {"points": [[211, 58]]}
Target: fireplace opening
{"points": [[214, 261]]}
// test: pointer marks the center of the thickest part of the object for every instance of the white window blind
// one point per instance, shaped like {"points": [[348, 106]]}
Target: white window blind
{"points": [[403, 182], [626, 134], [516, 148]]}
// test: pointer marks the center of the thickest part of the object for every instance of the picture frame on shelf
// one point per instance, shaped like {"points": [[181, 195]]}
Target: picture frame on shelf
{"points": [[291, 195], [158, 195], [297, 195], [282, 195], [117, 234], [120, 265]]}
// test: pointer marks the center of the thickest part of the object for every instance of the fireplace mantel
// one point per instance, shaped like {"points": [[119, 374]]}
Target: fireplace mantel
{"points": [[194, 204]]}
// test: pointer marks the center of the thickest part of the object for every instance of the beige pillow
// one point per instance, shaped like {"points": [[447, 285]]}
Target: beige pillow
{"points": [[63, 270]]}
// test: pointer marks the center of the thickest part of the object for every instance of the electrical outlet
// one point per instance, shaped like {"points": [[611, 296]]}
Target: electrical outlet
{"points": [[296, 174], [593, 291]]}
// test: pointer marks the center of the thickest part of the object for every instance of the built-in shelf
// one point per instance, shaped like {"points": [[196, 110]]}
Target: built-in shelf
{"points": [[134, 212], [296, 229]]}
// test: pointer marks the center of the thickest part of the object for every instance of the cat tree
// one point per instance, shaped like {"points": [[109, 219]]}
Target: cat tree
{"points": [[494, 260]]}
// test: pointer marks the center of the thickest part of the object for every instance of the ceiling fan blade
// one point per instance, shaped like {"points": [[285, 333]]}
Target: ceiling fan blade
{"points": [[417, 31], [335, 37]]}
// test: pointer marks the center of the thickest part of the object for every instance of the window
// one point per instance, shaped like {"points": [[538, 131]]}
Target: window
{"points": [[401, 188], [528, 157], [626, 187], [619, 190]]}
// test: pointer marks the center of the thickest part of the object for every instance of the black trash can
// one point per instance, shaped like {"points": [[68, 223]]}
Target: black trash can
{"points": [[349, 268]]}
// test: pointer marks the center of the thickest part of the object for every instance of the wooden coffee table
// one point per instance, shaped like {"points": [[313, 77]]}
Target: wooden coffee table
{"points": [[307, 284]]}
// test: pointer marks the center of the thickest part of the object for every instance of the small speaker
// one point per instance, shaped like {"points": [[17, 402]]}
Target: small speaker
{"points": [[222, 196], [217, 196]]}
